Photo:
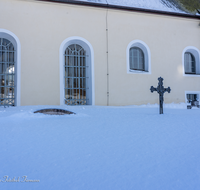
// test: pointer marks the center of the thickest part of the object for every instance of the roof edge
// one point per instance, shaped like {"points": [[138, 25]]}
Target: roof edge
{"points": [[125, 8]]}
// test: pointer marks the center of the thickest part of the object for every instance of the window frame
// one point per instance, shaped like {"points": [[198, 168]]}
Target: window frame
{"points": [[194, 62], [147, 57], [196, 54], [191, 92], [140, 54]]}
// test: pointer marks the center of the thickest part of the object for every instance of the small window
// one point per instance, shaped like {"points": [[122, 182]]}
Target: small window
{"points": [[191, 61], [192, 100], [136, 59], [192, 97], [190, 64]]}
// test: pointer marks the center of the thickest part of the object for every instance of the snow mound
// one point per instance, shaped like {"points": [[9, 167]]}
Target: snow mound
{"points": [[181, 105]]}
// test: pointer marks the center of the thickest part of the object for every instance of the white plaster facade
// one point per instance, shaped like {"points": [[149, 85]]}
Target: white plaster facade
{"points": [[43, 29]]}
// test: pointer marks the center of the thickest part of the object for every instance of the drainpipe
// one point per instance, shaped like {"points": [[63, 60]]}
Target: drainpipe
{"points": [[107, 55]]}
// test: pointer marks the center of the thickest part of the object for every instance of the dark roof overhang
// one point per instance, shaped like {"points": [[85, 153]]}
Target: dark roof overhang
{"points": [[125, 8]]}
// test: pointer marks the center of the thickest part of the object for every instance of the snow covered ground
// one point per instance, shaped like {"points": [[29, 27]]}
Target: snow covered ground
{"points": [[100, 148]]}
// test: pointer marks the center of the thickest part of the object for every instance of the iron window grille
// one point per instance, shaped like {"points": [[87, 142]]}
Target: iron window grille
{"points": [[75, 75], [7, 73], [192, 97]]}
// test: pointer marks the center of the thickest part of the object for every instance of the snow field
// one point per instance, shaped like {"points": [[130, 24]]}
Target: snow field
{"points": [[100, 148]]}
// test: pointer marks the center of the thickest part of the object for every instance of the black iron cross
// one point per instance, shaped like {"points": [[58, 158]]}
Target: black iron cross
{"points": [[161, 90]]}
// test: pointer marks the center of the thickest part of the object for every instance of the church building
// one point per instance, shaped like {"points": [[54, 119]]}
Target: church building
{"points": [[97, 52]]}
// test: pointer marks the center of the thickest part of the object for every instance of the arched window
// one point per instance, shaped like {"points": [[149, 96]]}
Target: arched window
{"points": [[190, 63], [136, 59], [76, 72], [75, 75], [7, 72]]}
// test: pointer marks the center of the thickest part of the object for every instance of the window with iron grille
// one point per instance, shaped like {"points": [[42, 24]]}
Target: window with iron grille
{"points": [[136, 59], [7, 73], [192, 97], [75, 75], [190, 64]]}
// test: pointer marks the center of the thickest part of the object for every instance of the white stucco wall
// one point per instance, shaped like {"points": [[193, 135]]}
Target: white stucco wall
{"points": [[41, 28], [166, 37]]}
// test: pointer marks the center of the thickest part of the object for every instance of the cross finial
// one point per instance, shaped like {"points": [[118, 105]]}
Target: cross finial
{"points": [[160, 79]]}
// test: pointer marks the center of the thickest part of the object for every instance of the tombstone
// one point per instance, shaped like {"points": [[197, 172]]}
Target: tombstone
{"points": [[161, 90]]}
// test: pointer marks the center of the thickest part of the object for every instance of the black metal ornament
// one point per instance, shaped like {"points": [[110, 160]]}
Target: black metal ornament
{"points": [[161, 90]]}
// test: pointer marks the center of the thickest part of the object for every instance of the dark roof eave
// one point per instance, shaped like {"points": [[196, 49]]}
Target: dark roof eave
{"points": [[101, 5]]}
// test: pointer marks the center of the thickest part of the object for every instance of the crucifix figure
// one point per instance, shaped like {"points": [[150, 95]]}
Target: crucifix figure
{"points": [[161, 90]]}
